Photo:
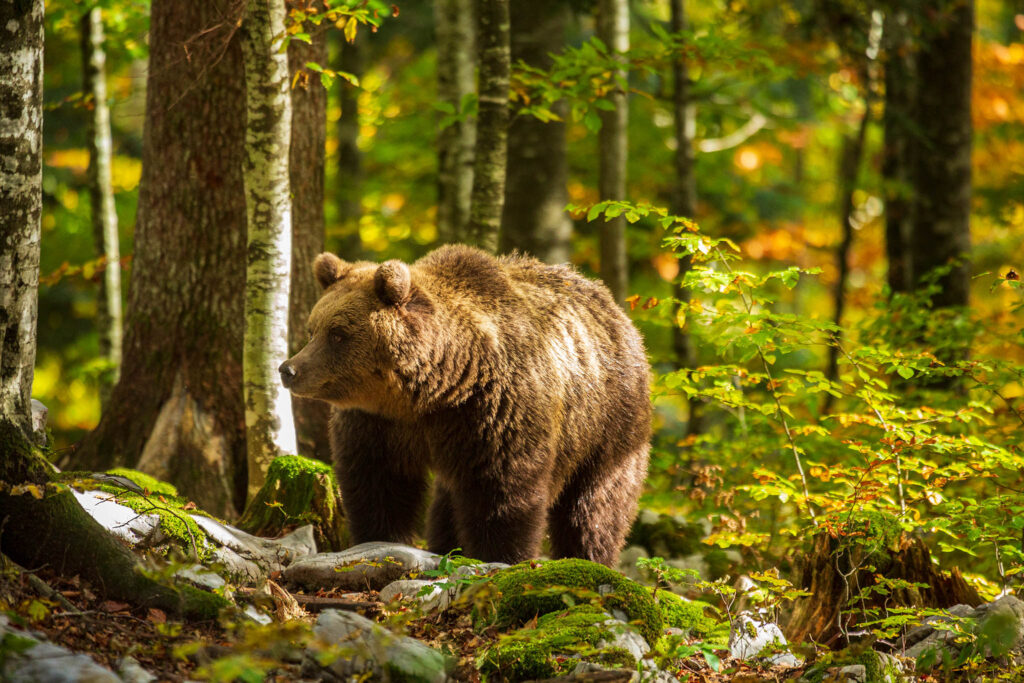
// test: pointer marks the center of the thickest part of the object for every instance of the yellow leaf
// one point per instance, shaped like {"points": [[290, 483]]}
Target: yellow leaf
{"points": [[350, 29]]}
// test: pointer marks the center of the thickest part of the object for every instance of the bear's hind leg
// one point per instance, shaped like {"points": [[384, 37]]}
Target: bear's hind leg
{"points": [[593, 513], [441, 536]]}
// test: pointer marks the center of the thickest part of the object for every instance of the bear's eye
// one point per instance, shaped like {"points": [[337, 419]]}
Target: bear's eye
{"points": [[337, 336]]}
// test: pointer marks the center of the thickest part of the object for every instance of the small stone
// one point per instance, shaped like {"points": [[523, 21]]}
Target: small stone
{"points": [[131, 671], [751, 637], [38, 661], [408, 589], [626, 637], [201, 577], [365, 566], [853, 672]]}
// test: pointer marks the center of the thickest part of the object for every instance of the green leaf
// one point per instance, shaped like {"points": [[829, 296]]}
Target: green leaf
{"points": [[904, 372]]}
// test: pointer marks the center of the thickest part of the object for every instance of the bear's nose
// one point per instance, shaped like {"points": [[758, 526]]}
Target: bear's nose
{"points": [[287, 374]]}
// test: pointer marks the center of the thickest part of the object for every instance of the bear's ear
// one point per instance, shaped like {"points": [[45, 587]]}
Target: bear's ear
{"points": [[328, 269], [392, 283]]}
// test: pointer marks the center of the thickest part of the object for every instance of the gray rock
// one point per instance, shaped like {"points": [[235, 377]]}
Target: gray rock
{"points": [[131, 671], [853, 672], [28, 658], [1003, 618], [134, 527], [624, 636], [753, 639], [479, 569], [409, 589], [365, 647], [201, 577], [365, 566]]}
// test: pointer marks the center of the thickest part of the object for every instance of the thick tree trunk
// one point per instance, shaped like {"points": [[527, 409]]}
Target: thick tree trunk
{"points": [[54, 530], [488, 197], [177, 409], [101, 195], [897, 124], [613, 29], [455, 64], [21, 196], [270, 430], [684, 200], [349, 185], [306, 172], [534, 220], [940, 223]]}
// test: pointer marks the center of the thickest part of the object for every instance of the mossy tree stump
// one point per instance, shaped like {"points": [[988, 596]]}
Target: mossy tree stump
{"points": [[851, 558], [298, 491]]}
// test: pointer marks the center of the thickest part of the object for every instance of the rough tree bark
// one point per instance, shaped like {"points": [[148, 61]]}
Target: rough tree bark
{"points": [[101, 196], [306, 176], [897, 124], [613, 30], [941, 158], [270, 430], [53, 530], [534, 220], [454, 24], [177, 409], [488, 196], [684, 199], [349, 185]]}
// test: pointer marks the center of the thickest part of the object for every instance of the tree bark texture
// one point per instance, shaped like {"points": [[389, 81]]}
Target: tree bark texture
{"points": [[306, 174], [613, 30], [684, 199], [897, 125], [534, 220], [21, 199], [488, 196], [349, 185], [101, 196], [270, 430], [455, 143], [940, 223], [177, 409]]}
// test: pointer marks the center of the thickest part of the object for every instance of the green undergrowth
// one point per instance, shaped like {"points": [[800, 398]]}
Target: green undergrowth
{"points": [[158, 498], [555, 645], [691, 616], [534, 590]]}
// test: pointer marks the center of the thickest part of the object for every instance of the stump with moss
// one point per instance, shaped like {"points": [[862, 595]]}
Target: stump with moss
{"points": [[865, 547], [298, 491]]}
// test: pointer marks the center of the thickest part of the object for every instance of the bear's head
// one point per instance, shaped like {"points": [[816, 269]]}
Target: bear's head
{"points": [[370, 323]]}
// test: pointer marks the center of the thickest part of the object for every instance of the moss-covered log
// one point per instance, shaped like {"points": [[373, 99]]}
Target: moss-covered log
{"points": [[298, 491]]}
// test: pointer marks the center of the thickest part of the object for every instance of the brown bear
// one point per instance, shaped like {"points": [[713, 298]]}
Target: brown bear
{"points": [[520, 385]]}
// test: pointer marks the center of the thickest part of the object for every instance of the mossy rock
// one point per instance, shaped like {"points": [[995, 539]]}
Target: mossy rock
{"points": [[691, 616], [157, 498], [528, 591], [554, 647], [878, 668], [298, 491]]}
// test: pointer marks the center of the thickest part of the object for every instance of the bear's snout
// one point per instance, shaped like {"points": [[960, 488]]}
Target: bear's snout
{"points": [[287, 374]]}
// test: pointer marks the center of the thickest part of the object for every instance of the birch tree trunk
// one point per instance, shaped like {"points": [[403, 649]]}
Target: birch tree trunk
{"points": [[613, 30], [21, 196], [455, 64], [270, 431], [177, 411], [941, 158], [306, 176], [101, 196], [534, 220], [684, 199], [488, 196]]}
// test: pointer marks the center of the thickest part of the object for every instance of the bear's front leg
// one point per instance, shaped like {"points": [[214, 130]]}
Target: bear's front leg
{"points": [[382, 476]]}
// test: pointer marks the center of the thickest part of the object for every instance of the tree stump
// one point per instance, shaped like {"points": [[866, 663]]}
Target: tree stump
{"points": [[840, 565], [298, 491]]}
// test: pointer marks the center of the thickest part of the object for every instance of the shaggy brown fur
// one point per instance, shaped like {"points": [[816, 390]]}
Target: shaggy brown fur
{"points": [[522, 386]]}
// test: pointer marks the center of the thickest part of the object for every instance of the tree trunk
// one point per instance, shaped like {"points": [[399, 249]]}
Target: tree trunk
{"points": [[349, 185], [270, 430], [306, 171], [455, 143], [940, 223], [54, 530], [488, 196], [613, 29], [101, 195], [534, 219], [897, 124], [684, 201], [177, 409], [21, 196]]}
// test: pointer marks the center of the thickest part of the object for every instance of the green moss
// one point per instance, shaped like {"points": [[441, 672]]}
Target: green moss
{"points": [[689, 616], [146, 482], [554, 647], [289, 466], [527, 592], [459, 561]]}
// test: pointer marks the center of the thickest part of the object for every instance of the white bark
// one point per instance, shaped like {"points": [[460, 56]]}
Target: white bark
{"points": [[104, 213], [270, 430], [613, 29], [21, 146]]}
